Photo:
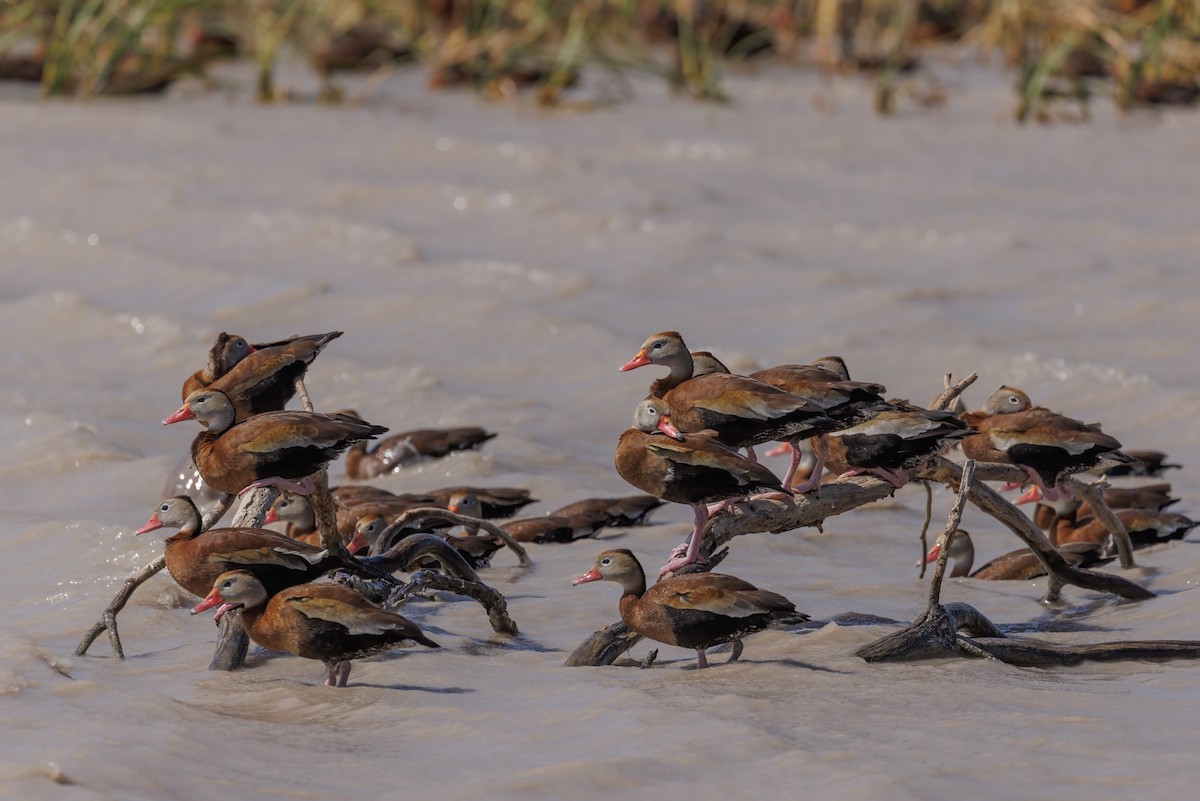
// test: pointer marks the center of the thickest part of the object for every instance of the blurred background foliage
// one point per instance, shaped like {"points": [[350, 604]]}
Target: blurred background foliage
{"points": [[1137, 52]]}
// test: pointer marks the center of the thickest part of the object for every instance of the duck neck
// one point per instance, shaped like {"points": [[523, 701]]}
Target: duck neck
{"points": [[682, 368]]}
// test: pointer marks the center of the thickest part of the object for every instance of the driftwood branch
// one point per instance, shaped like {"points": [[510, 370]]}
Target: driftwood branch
{"points": [[989, 501], [232, 642], [491, 600], [437, 513], [108, 620], [1093, 493]]}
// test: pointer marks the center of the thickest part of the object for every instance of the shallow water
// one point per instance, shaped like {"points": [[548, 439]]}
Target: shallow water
{"points": [[493, 265]]}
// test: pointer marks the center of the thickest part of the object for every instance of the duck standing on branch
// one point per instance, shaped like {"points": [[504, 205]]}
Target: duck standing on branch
{"points": [[277, 367], [894, 441], [328, 622], [268, 449], [1045, 444], [742, 411], [697, 611], [694, 469]]}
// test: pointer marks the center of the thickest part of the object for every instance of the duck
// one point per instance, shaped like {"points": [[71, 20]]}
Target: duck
{"points": [[629, 510], [1047, 445], [742, 411], [301, 522], [694, 469], [1147, 496], [1145, 463], [893, 442], [393, 453], [695, 611], [324, 621], [195, 558], [493, 501], [1145, 526], [552, 528], [268, 449], [1018, 565], [265, 379], [848, 402], [229, 350]]}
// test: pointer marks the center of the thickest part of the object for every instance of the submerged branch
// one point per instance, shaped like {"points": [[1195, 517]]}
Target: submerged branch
{"points": [[492, 600], [438, 513]]}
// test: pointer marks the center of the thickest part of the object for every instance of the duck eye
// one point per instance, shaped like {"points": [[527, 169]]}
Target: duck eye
{"points": [[164, 507], [606, 561]]}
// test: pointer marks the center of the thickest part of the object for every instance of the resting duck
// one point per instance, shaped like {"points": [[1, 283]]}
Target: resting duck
{"points": [[894, 441], [694, 611], [265, 379], [268, 449], [324, 621], [552, 528], [297, 513], [394, 452], [742, 411], [195, 558], [1045, 444], [1147, 496], [1145, 463], [694, 469], [1145, 527], [1018, 565], [631, 510], [277, 369], [493, 501]]}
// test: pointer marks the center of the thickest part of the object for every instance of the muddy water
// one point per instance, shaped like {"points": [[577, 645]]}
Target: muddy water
{"points": [[493, 265]]}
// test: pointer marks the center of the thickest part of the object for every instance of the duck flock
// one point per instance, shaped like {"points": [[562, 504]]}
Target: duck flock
{"points": [[686, 446]]}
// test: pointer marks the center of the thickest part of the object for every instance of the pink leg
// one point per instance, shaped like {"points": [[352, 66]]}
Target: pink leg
{"points": [[343, 672], [701, 659], [1050, 494], [751, 455], [305, 487], [821, 449], [689, 553], [737, 651]]}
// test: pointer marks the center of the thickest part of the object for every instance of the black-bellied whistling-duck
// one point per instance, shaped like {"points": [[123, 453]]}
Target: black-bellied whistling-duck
{"points": [[742, 411], [301, 520], [394, 452], [893, 442], [268, 449], [1018, 565], [265, 379], [230, 349], [1146, 527], [493, 501], [1145, 463], [552, 528], [694, 469], [1147, 496], [631, 510], [848, 402], [697, 611], [324, 621], [195, 558], [1045, 444]]}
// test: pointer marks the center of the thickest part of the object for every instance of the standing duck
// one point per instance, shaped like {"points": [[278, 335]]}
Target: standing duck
{"points": [[694, 469], [1045, 444], [848, 402], [694, 611], [742, 411], [325, 621], [268, 449], [195, 559], [892, 442], [265, 379], [277, 369]]}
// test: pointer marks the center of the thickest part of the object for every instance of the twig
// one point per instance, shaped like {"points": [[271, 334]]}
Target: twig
{"points": [[952, 391], [232, 642], [925, 527], [952, 521], [108, 620], [1093, 493]]}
